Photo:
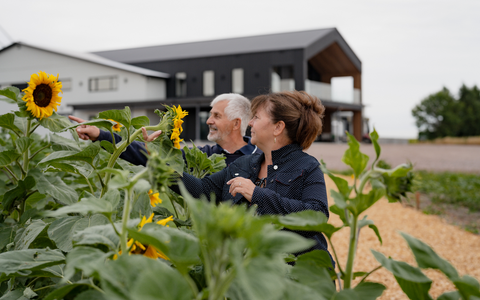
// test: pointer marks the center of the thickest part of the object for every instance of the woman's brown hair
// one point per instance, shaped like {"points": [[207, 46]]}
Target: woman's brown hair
{"points": [[302, 114]]}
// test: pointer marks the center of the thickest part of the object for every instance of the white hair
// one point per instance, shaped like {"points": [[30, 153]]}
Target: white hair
{"points": [[238, 108]]}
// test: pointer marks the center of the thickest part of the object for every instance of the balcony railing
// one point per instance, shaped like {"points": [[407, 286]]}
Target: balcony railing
{"points": [[324, 92]]}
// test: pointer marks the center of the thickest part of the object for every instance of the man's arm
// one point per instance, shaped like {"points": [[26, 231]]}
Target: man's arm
{"points": [[135, 152]]}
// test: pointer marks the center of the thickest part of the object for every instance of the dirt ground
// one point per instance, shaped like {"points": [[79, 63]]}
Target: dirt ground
{"points": [[459, 247]]}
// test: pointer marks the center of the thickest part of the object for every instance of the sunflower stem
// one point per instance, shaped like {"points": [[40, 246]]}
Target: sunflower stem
{"points": [[25, 154], [38, 151], [15, 179], [126, 216]]}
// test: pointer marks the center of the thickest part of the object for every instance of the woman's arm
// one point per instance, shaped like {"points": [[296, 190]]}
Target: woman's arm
{"points": [[205, 186], [313, 191]]}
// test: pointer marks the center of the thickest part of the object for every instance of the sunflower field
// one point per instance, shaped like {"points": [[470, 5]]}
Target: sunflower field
{"points": [[78, 222]]}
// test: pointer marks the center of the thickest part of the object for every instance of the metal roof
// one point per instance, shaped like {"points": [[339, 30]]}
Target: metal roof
{"points": [[95, 59], [250, 44]]}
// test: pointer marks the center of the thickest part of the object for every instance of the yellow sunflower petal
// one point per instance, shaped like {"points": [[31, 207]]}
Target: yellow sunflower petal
{"points": [[165, 221]]}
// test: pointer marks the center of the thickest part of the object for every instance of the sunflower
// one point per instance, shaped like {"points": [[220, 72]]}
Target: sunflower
{"points": [[177, 125], [146, 250], [41, 94], [117, 127], [154, 198]]}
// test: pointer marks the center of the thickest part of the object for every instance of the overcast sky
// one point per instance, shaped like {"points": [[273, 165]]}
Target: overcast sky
{"points": [[408, 48]]}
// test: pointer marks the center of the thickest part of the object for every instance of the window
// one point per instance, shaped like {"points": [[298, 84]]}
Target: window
{"points": [[20, 86], [282, 79], [181, 84], [208, 83], [237, 81], [66, 84], [99, 84]]}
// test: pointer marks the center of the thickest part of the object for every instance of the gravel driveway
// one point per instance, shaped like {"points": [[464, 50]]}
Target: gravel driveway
{"points": [[458, 158]]}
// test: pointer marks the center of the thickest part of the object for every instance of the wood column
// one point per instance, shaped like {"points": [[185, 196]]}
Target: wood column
{"points": [[357, 125]]}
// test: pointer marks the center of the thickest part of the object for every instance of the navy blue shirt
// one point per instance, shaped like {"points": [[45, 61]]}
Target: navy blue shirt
{"points": [[294, 183], [135, 152]]}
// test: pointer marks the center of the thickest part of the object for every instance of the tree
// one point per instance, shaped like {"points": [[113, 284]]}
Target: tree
{"points": [[440, 114], [469, 106], [437, 115]]}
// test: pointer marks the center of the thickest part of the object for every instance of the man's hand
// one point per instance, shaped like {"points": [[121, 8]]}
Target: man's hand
{"points": [[86, 132], [152, 137], [89, 132]]}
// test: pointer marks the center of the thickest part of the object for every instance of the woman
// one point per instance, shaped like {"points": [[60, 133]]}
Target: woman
{"points": [[283, 179]]}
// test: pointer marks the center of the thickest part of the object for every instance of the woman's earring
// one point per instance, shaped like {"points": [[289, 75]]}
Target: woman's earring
{"points": [[274, 140]]}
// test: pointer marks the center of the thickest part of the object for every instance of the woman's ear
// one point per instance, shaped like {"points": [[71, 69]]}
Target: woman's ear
{"points": [[279, 128]]}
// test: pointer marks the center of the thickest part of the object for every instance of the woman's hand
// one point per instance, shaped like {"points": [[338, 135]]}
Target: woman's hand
{"points": [[243, 186]]}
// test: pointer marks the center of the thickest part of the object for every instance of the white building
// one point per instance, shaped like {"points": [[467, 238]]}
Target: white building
{"points": [[91, 84]]}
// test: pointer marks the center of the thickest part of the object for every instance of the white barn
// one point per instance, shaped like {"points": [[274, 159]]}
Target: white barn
{"points": [[90, 83]]}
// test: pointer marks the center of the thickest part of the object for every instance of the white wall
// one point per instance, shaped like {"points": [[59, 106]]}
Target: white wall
{"points": [[17, 64]]}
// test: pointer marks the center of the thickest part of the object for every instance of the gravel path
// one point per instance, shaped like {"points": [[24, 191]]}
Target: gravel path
{"points": [[459, 158]]}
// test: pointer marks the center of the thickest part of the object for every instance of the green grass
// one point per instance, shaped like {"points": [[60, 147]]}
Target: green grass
{"points": [[452, 188]]}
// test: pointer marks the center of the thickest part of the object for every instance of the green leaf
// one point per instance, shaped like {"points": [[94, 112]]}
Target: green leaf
{"points": [[21, 262], [455, 295], [7, 235], [363, 202], [91, 295], [23, 144], [318, 258], [427, 258], [412, 281], [180, 247], [376, 146], [107, 146], [308, 220], [122, 116], [340, 200], [29, 235], [369, 290], [62, 230], [313, 274], [87, 155], [60, 293], [18, 193], [353, 157], [97, 235], [140, 121], [11, 93], [13, 295], [342, 184], [86, 259], [284, 242], [85, 206], [295, 291], [55, 187], [139, 277], [56, 122], [7, 157], [8, 121], [468, 287], [60, 143], [374, 228]]}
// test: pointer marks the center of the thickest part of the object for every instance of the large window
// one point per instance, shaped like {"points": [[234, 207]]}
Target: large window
{"points": [[181, 84], [237, 81], [208, 83], [282, 79], [100, 84]]}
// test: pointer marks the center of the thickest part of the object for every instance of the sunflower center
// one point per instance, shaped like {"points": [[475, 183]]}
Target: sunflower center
{"points": [[42, 95]]}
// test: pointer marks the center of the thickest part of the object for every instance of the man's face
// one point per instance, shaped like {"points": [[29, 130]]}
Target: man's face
{"points": [[219, 125]]}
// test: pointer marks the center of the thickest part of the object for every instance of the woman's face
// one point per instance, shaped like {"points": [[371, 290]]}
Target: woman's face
{"points": [[262, 128]]}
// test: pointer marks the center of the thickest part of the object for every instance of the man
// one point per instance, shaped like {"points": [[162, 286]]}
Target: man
{"points": [[227, 125]]}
